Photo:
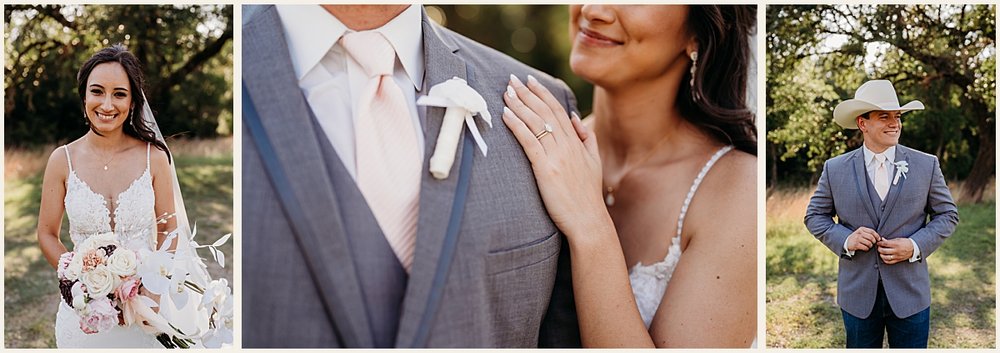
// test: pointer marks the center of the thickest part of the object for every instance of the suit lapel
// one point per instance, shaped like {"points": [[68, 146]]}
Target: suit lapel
{"points": [[861, 181], [284, 115], [437, 198], [894, 190]]}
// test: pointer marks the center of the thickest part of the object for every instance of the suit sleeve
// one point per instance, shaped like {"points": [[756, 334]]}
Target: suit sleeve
{"points": [[943, 214], [819, 217], [560, 327]]}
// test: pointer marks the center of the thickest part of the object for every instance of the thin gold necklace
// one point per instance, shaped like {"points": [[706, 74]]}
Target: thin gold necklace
{"points": [[108, 162], [609, 188]]}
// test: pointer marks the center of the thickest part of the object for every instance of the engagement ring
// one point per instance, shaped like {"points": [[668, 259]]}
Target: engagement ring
{"points": [[548, 129]]}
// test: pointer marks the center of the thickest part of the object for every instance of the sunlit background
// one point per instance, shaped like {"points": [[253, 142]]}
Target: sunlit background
{"points": [[537, 35]]}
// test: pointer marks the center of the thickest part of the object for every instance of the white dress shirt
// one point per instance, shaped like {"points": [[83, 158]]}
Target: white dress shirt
{"points": [[871, 165], [332, 80]]}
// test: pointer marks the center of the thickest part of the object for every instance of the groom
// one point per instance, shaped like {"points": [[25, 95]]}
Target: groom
{"points": [[893, 210], [348, 240]]}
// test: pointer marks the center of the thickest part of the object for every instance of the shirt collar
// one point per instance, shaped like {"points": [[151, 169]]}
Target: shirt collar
{"points": [[311, 32], [890, 154]]}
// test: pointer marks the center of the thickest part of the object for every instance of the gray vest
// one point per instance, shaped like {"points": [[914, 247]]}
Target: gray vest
{"points": [[879, 206], [383, 279]]}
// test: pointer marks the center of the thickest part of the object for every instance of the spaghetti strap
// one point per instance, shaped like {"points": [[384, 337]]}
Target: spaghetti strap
{"points": [[694, 186], [66, 149], [147, 155]]}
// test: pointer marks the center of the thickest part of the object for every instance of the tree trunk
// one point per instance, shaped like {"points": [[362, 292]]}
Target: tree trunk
{"points": [[983, 167]]}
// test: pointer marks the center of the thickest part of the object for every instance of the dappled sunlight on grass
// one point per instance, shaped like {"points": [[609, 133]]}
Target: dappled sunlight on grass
{"points": [[19, 163], [802, 279]]}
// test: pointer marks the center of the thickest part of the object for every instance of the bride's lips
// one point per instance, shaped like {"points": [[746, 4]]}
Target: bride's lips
{"points": [[595, 38]]}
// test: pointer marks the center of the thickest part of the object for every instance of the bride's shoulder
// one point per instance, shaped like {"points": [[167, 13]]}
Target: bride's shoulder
{"points": [[736, 169], [730, 187], [158, 159], [58, 162]]}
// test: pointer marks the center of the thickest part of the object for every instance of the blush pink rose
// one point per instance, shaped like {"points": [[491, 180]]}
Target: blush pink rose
{"points": [[128, 289], [64, 261], [101, 316]]}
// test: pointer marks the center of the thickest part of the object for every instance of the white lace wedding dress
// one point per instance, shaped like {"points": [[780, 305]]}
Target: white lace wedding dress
{"points": [[649, 282], [135, 228]]}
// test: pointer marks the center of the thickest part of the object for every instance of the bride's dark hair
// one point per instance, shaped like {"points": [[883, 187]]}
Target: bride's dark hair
{"points": [[134, 125], [720, 81]]}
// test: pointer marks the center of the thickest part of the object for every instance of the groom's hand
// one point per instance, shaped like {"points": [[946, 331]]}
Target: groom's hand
{"points": [[895, 250], [863, 239]]}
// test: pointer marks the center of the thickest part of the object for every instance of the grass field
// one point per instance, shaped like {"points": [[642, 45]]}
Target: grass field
{"points": [[802, 279], [205, 172]]}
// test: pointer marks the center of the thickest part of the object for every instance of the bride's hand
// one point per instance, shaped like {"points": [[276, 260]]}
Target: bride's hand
{"points": [[563, 155]]}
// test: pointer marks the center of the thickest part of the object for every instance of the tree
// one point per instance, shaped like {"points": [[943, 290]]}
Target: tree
{"points": [[186, 52], [943, 55]]}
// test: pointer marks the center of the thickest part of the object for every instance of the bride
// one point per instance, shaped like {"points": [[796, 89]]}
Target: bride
{"points": [[656, 191], [115, 179]]}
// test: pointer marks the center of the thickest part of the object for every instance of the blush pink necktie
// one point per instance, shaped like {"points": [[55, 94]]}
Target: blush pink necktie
{"points": [[881, 176], [388, 155]]}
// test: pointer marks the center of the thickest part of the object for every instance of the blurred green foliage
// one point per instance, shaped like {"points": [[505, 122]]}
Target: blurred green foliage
{"points": [[537, 35], [942, 55], [186, 51]]}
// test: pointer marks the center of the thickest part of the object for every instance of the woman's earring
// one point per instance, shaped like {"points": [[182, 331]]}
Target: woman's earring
{"points": [[694, 69]]}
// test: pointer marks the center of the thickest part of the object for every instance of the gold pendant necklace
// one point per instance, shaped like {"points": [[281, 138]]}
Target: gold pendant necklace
{"points": [[609, 189], [108, 162]]}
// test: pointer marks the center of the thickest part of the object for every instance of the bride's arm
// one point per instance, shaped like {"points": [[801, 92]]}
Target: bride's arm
{"points": [[712, 297], [50, 212], [567, 168], [163, 189]]}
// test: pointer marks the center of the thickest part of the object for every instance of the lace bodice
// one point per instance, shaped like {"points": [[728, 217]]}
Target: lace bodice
{"points": [[649, 282], [134, 214]]}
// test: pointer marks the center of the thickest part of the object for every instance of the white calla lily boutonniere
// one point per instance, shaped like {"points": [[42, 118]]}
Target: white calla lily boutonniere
{"points": [[462, 103], [901, 168]]}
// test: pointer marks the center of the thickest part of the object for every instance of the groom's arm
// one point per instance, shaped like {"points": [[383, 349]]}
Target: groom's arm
{"points": [[819, 217], [943, 213], [560, 327]]}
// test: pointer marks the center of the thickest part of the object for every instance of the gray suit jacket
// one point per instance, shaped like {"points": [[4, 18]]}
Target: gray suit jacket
{"points": [[486, 258], [844, 192]]}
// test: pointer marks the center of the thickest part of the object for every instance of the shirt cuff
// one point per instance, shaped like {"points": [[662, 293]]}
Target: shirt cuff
{"points": [[849, 252], [916, 252]]}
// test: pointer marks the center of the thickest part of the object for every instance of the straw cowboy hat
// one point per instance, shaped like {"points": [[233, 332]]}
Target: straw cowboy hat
{"points": [[872, 95]]}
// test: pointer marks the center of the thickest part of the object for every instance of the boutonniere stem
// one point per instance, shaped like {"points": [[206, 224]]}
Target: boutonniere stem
{"points": [[462, 103]]}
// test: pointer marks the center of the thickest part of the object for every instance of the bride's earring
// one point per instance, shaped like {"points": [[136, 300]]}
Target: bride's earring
{"points": [[694, 69]]}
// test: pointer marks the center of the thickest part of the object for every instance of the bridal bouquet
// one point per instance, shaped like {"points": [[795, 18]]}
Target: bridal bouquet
{"points": [[101, 281]]}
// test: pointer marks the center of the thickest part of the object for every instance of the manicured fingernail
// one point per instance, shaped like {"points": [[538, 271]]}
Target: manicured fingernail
{"points": [[510, 91], [515, 79], [532, 79], [507, 111], [575, 115]]}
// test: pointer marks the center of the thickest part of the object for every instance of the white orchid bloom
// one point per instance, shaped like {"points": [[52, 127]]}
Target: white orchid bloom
{"points": [[901, 168]]}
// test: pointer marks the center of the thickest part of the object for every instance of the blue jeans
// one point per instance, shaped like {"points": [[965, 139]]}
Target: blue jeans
{"points": [[908, 332]]}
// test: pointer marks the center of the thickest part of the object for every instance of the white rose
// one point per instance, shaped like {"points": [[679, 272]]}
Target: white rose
{"points": [[97, 241], [78, 301], [123, 262], [99, 281], [72, 271]]}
